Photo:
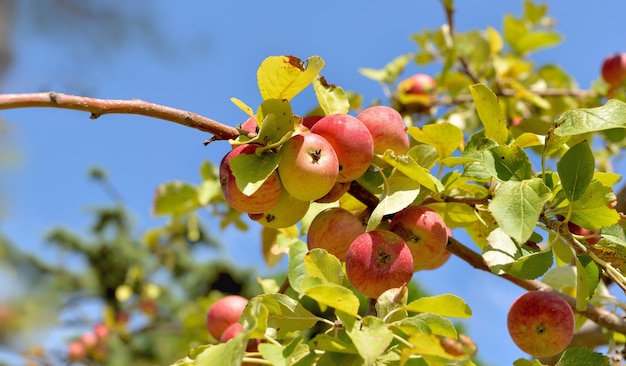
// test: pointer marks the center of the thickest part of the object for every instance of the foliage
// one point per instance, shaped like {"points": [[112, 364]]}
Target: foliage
{"points": [[504, 149]]}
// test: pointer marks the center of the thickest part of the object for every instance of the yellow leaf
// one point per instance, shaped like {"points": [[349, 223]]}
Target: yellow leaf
{"points": [[283, 77]]}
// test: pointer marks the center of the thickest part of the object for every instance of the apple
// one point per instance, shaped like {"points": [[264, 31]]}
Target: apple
{"points": [[424, 231], [263, 199], [377, 261], [335, 193], [442, 258], [308, 167], [334, 229], [541, 323], [351, 141], [577, 230], [230, 332], [418, 84], [387, 129], [101, 331], [223, 313], [614, 69], [309, 121], [287, 212], [89, 339], [76, 351]]}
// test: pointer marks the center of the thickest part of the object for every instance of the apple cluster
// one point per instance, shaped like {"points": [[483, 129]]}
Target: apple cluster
{"points": [[91, 344], [317, 163]]}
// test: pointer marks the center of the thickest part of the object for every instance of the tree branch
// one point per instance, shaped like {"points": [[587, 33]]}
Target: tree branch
{"points": [[99, 107]]}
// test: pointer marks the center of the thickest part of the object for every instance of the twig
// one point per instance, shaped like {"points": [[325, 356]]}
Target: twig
{"points": [[99, 107]]}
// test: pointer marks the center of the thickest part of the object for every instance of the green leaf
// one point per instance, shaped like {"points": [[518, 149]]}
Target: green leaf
{"points": [[296, 271], [280, 355], [588, 277], [175, 198], [318, 263], [277, 122], [390, 72], [490, 113], [513, 29], [335, 296], [251, 170], [479, 148], [445, 137], [227, 354], [332, 99], [281, 312], [411, 169], [500, 251], [531, 266], [444, 305], [535, 40], [517, 205], [389, 301], [526, 362], [283, 77], [593, 209], [509, 163], [581, 356], [401, 192], [437, 324], [576, 169], [371, 338], [584, 120]]}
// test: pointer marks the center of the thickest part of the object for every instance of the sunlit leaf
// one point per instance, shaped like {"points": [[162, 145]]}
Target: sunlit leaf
{"points": [[401, 192], [517, 205], [445, 137], [336, 296], [581, 356], [332, 99], [588, 277], [490, 113], [584, 120], [318, 263], [531, 266], [175, 198], [593, 210], [411, 169], [283, 77], [576, 169], [444, 305], [251, 170], [371, 339], [390, 72]]}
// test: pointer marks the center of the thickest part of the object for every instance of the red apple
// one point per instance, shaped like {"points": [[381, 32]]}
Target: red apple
{"points": [[377, 261], [442, 258], [309, 121], [223, 313], [101, 331], [334, 229], [418, 84], [424, 231], [89, 339], [352, 142], [387, 129], [287, 212], [308, 167], [577, 230], [230, 332], [541, 323], [76, 351], [614, 69], [263, 199]]}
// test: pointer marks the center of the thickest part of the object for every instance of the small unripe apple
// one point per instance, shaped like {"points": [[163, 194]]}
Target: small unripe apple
{"points": [[418, 84], [334, 229], [575, 229], [377, 261], [541, 323], [308, 166], [614, 69], [387, 129], [223, 313], [287, 212], [266, 196], [424, 231], [351, 141]]}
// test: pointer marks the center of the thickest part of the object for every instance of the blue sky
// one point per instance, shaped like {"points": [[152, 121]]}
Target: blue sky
{"points": [[208, 53]]}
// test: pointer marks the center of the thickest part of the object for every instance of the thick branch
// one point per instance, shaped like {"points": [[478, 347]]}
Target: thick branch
{"points": [[98, 107]]}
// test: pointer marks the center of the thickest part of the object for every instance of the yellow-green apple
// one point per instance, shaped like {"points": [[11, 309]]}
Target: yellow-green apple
{"points": [[223, 313], [334, 229], [541, 323], [377, 261], [287, 212], [266, 196], [578, 230], [387, 129], [351, 141], [424, 231], [308, 166], [614, 69]]}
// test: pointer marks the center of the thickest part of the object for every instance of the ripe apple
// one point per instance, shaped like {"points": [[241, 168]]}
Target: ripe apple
{"points": [[223, 313], [308, 166], [351, 141], [89, 339], [76, 351], [387, 129], [575, 229], [230, 332], [418, 84], [541, 323], [335, 193], [287, 212], [263, 199], [442, 258], [377, 261], [614, 69], [424, 231], [334, 229], [309, 121], [101, 331]]}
